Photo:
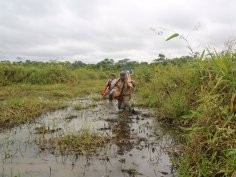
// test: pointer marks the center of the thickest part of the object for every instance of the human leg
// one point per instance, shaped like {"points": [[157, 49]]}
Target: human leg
{"points": [[120, 104], [126, 102], [111, 94]]}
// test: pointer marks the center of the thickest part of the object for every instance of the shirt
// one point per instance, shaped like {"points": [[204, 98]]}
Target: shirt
{"points": [[127, 89], [111, 83]]}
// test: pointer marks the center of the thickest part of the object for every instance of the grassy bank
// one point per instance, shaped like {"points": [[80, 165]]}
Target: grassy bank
{"points": [[23, 102], [27, 91], [197, 97]]}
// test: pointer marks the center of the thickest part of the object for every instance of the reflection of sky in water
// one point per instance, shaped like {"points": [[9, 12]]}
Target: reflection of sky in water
{"points": [[135, 144]]}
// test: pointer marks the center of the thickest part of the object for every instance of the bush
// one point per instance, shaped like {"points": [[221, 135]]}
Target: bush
{"points": [[199, 96], [51, 73]]}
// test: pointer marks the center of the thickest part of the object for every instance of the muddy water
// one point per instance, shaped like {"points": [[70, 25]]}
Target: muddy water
{"points": [[138, 144]]}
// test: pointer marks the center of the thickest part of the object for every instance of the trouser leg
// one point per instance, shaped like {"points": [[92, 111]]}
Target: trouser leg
{"points": [[110, 97], [124, 103], [120, 104], [111, 94]]}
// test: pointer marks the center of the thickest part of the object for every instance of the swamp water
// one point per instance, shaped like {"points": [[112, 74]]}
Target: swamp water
{"points": [[138, 145]]}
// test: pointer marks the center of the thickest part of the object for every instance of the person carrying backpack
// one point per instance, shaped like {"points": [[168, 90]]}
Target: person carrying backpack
{"points": [[124, 88]]}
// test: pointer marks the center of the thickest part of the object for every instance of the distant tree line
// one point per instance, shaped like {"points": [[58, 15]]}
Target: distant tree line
{"points": [[107, 64]]}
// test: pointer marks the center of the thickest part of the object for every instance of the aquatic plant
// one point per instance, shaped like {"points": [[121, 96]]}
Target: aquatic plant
{"points": [[84, 143]]}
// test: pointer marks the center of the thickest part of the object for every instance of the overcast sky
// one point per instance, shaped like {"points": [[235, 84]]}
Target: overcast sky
{"points": [[91, 30]]}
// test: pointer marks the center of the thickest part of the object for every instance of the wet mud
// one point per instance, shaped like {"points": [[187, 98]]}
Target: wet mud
{"points": [[138, 145]]}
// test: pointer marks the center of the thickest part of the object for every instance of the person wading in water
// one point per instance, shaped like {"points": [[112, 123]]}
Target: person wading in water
{"points": [[109, 87], [124, 88]]}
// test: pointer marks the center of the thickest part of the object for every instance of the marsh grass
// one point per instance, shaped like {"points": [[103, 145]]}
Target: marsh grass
{"points": [[17, 111], [199, 98], [29, 89], [45, 130], [132, 172], [80, 106], [46, 73], [21, 103], [97, 97], [84, 143]]}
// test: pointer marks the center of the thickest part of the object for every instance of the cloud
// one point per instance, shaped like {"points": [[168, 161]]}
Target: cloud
{"points": [[96, 29]]}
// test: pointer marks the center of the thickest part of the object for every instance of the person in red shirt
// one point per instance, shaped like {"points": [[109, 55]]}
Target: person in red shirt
{"points": [[109, 87]]}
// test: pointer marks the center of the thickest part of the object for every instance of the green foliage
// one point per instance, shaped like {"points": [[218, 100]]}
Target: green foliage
{"points": [[81, 106], [51, 73], [199, 97], [172, 36], [166, 87], [16, 111], [83, 143], [196, 93], [131, 171], [23, 102]]}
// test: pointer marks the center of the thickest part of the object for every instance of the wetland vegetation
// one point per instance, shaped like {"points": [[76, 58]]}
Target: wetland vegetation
{"points": [[194, 96]]}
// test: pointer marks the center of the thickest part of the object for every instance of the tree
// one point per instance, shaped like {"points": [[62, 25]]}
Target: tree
{"points": [[106, 64], [161, 59], [78, 64]]}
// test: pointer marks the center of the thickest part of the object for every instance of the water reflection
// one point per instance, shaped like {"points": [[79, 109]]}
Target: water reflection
{"points": [[138, 142], [121, 135]]}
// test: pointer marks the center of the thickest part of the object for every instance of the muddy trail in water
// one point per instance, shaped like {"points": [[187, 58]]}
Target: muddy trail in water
{"points": [[138, 145]]}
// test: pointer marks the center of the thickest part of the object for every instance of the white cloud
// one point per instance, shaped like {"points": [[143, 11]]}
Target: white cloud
{"points": [[95, 29]]}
